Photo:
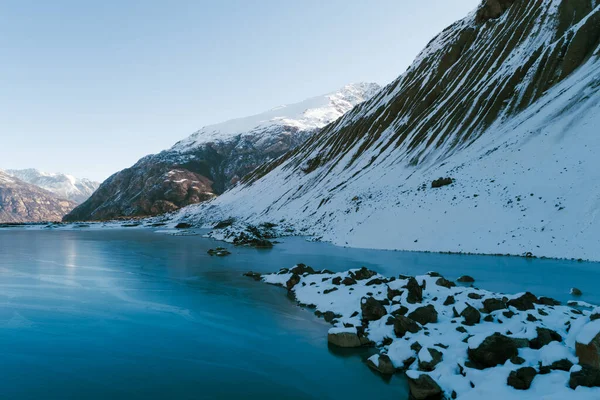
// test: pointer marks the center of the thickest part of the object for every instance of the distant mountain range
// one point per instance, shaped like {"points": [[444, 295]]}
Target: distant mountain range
{"points": [[62, 185], [215, 158], [33, 196]]}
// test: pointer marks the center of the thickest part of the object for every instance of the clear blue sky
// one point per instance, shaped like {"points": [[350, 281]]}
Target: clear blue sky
{"points": [[89, 87]]}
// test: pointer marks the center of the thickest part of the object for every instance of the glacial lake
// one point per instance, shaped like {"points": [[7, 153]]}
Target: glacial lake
{"points": [[130, 313]]}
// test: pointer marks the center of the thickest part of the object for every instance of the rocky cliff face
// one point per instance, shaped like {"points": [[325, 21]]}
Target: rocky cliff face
{"points": [[502, 105], [62, 185], [23, 202], [214, 159]]}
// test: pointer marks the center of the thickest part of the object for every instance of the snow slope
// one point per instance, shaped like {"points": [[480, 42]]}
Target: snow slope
{"points": [[63, 185], [512, 117], [307, 115]]}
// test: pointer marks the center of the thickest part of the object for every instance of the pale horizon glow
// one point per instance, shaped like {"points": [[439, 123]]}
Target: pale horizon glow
{"points": [[89, 88]]}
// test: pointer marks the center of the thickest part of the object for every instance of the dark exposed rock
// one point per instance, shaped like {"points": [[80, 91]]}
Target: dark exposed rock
{"points": [[491, 305], [521, 379], [494, 350], [337, 280], [474, 296], [517, 360], [424, 388], [403, 324], [327, 291], [438, 183], [548, 301], [508, 314], [576, 292], [254, 275], [293, 281], [524, 302], [471, 315], [465, 279], [372, 309], [344, 339], [363, 274], [449, 301], [544, 337], [384, 365], [424, 315], [492, 9], [391, 293], [400, 311], [589, 353], [415, 292], [348, 281], [429, 365], [302, 269], [183, 225], [445, 283], [588, 376], [219, 251], [376, 281]]}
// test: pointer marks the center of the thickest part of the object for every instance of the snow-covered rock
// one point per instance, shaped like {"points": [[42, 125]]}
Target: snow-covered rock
{"points": [[525, 353]]}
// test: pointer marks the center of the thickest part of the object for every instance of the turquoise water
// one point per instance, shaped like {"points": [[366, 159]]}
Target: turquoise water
{"points": [[137, 314]]}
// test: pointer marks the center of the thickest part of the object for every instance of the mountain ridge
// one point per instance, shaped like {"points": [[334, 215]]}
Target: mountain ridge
{"points": [[213, 159], [477, 105], [62, 185]]}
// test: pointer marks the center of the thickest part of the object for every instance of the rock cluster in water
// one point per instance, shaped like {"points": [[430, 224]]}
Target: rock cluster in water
{"points": [[455, 341]]}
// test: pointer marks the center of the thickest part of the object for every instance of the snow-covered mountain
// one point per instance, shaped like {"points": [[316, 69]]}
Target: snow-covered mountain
{"points": [[62, 185], [213, 159], [23, 202], [505, 103]]}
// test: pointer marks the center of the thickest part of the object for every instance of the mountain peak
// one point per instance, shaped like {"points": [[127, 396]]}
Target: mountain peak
{"points": [[310, 114]]}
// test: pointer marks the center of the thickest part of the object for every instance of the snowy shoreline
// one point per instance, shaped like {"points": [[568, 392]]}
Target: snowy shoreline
{"points": [[453, 340]]}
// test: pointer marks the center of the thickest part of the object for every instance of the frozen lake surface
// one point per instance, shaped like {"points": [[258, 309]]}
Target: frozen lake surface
{"points": [[137, 314]]}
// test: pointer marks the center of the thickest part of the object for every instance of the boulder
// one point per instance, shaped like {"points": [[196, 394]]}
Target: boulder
{"points": [[382, 364], [254, 275], [348, 281], [415, 292], [491, 305], [293, 281], [219, 252], [494, 350], [589, 353], [438, 183], [544, 337], [302, 269], [548, 301], [449, 301], [576, 292], [587, 376], [362, 274], [183, 225], [524, 302], [344, 339], [424, 388], [429, 364], [465, 279], [404, 324], [391, 293], [376, 281], [372, 310], [521, 379], [471, 315], [445, 283], [337, 280], [424, 315]]}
